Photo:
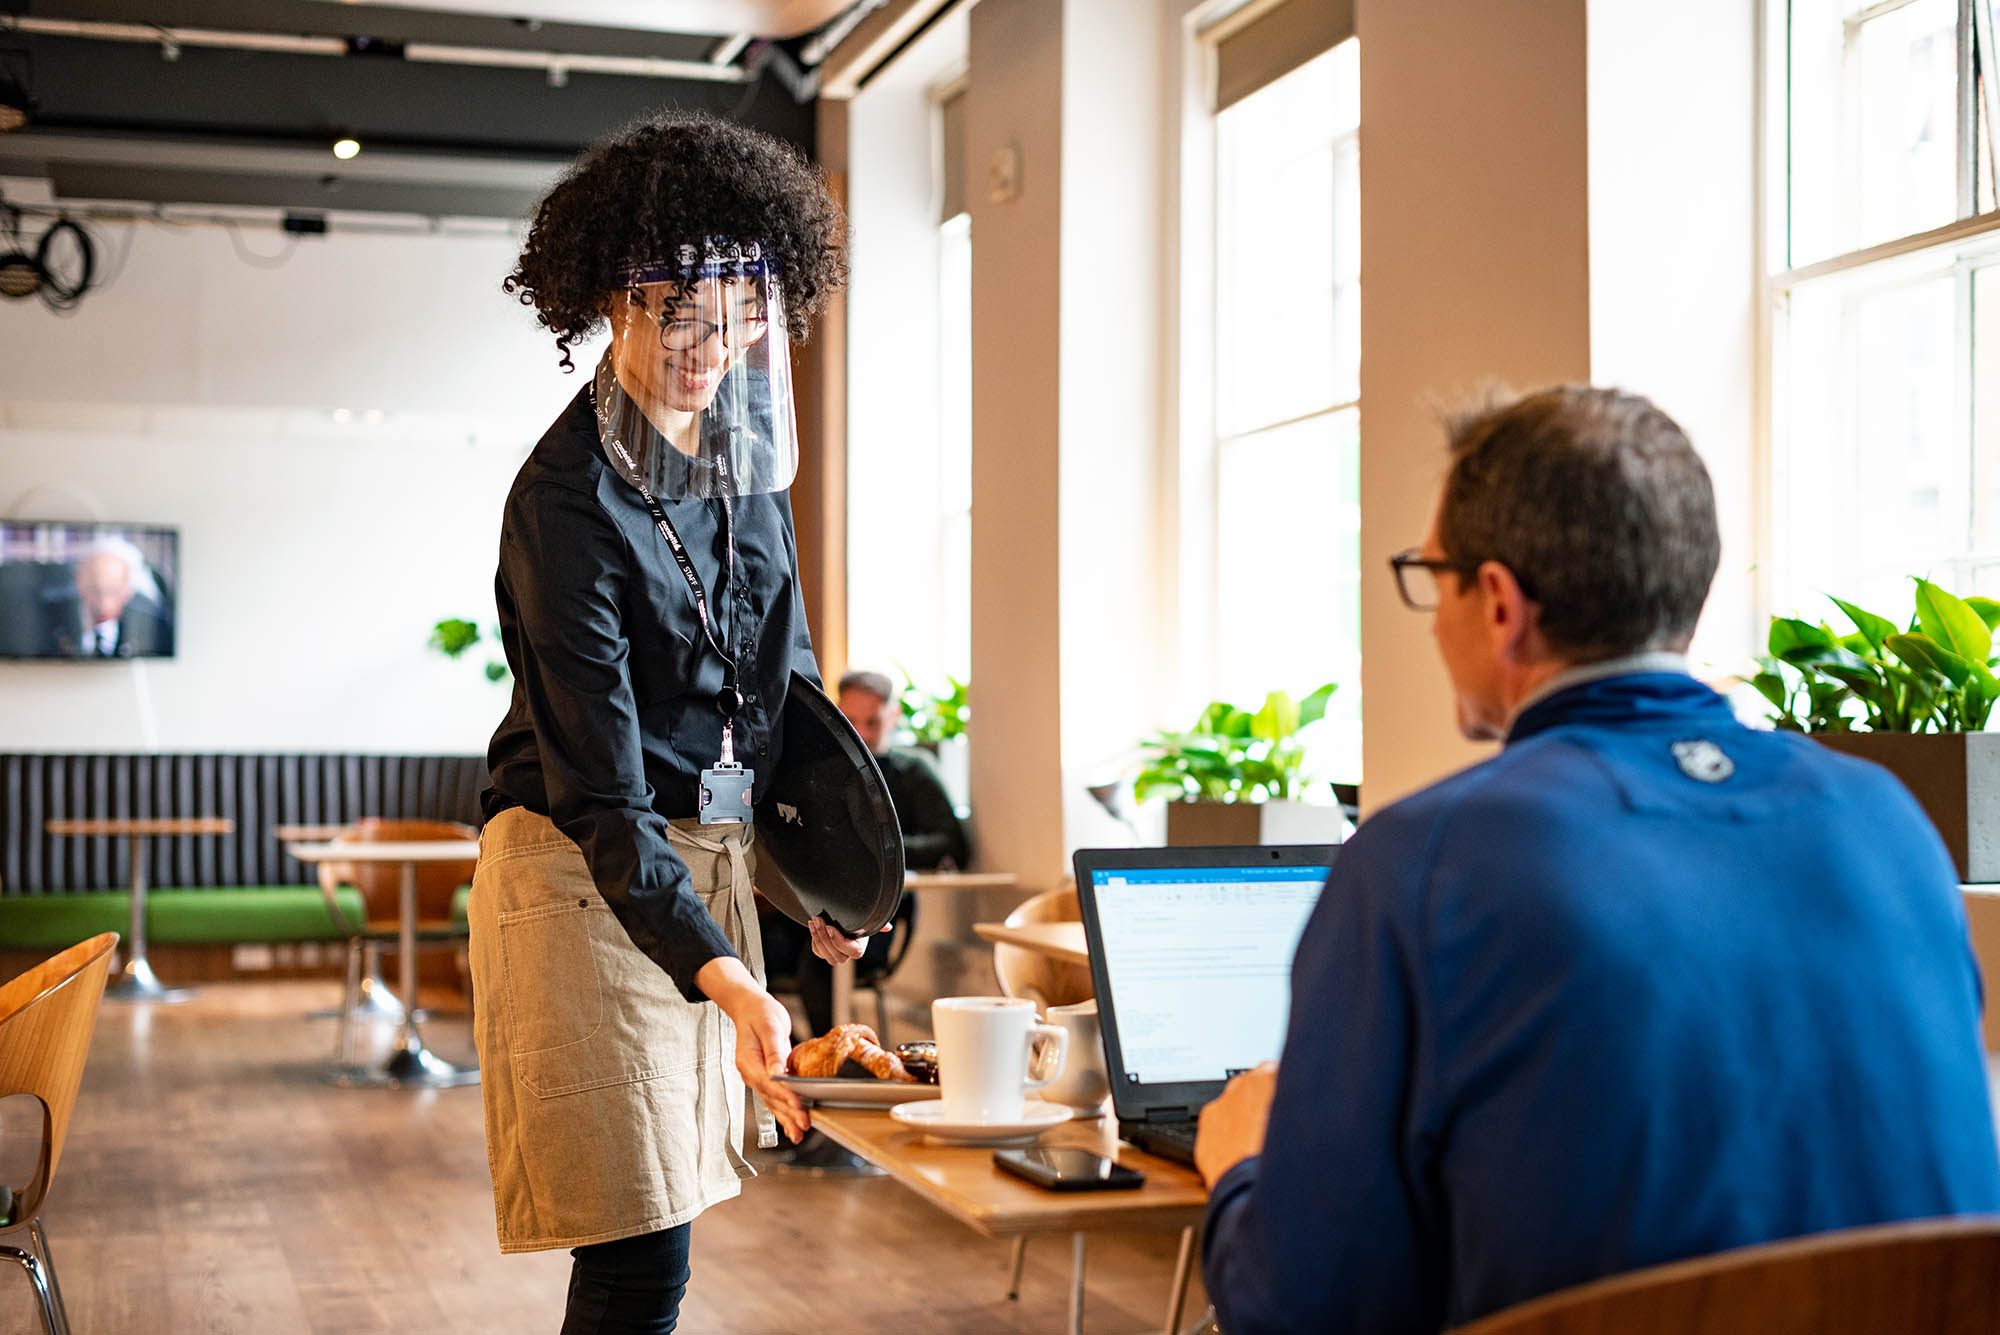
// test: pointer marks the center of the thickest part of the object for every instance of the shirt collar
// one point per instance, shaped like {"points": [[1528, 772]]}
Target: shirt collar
{"points": [[1657, 661]]}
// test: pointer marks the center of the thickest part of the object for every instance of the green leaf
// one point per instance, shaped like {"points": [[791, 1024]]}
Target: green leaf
{"points": [[1278, 718], [453, 636], [1789, 636], [1313, 708], [1947, 619], [1772, 687], [1921, 653], [1987, 610], [1875, 629], [495, 670]]}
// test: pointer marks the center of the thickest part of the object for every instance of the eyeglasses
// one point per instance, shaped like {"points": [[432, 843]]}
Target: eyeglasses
{"points": [[1416, 577], [686, 335]]}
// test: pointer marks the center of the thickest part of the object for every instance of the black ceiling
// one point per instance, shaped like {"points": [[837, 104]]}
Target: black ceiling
{"points": [[135, 120]]}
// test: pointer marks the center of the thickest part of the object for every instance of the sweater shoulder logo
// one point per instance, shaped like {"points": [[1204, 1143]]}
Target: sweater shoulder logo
{"points": [[1703, 760]]}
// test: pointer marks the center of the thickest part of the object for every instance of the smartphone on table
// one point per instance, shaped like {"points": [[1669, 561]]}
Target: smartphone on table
{"points": [[1065, 1169]]}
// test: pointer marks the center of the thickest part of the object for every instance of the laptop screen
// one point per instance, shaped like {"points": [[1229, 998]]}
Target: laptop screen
{"points": [[1199, 961]]}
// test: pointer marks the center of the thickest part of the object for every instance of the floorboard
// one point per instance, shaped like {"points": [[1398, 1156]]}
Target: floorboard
{"points": [[213, 1184]]}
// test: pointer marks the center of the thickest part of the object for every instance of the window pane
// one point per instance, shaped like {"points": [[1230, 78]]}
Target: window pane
{"points": [[1287, 246], [1874, 123], [1871, 479], [1985, 558], [1287, 570]]}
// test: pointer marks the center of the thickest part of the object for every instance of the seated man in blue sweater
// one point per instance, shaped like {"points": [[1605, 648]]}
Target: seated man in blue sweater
{"points": [[1647, 984]]}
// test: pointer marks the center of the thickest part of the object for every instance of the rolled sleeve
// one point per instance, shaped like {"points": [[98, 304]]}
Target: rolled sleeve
{"points": [[563, 565]]}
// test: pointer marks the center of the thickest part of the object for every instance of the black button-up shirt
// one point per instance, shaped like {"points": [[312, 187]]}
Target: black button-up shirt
{"points": [[613, 715]]}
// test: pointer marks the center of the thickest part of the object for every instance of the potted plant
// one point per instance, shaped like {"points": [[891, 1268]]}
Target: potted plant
{"points": [[937, 723], [1237, 776], [1915, 701]]}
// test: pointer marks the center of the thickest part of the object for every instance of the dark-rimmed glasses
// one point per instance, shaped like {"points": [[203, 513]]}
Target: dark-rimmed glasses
{"points": [[1416, 577]]}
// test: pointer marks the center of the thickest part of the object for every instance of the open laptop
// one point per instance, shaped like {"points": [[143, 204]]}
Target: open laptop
{"points": [[1191, 956]]}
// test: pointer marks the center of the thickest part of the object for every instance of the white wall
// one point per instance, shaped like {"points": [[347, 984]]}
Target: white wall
{"points": [[196, 389]]}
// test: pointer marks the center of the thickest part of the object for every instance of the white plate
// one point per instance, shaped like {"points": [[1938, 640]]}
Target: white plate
{"points": [[847, 1092], [932, 1120]]}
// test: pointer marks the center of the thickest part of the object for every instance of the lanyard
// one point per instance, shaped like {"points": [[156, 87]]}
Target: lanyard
{"points": [[730, 697]]}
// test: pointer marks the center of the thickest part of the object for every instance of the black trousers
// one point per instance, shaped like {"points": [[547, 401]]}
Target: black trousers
{"points": [[629, 1287]]}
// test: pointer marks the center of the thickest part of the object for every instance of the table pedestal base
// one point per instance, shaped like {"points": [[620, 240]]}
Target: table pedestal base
{"points": [[412, 1066], [137, 982]]}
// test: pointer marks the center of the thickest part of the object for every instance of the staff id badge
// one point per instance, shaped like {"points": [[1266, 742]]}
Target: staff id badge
{"points": [[724, 794]]}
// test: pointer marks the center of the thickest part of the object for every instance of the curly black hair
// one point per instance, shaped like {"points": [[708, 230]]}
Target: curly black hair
{"points": [[667, 181]]}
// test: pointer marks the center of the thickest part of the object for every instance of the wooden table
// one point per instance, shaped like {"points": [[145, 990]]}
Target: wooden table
{"points": [[136, 982], [964, 1182], [922, 883], [412, 1065], [1058, 940]]}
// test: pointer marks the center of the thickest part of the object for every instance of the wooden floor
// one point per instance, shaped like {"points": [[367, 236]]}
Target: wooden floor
{"points": [[213, 1184]]}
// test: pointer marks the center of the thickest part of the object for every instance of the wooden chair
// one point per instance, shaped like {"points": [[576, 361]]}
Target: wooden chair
{"points": [[1027, 973], [46, 1018], [380, 885], [1935, 1276]]}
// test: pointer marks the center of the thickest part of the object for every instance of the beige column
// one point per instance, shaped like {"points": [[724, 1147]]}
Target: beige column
{"points": [[1474, 270]]}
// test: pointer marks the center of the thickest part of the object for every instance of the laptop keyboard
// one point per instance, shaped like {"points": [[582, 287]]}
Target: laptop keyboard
{"points": [[1169, 1140]]}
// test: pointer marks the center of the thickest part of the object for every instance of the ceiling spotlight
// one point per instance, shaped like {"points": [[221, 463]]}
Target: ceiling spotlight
{"points": [[346, 147]]}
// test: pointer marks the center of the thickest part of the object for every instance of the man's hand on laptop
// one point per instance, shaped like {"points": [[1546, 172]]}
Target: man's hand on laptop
{"points": [[1232, 1127]]}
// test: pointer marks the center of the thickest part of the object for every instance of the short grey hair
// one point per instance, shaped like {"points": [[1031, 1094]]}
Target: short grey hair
{"points": [[1601, 508], [876, 684]]}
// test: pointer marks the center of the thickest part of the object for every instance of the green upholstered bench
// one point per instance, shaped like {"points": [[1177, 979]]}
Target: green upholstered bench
{"points": [[207, 916]]}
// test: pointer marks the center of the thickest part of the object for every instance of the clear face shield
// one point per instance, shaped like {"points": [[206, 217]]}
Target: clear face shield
{"points": [[694, 396]]}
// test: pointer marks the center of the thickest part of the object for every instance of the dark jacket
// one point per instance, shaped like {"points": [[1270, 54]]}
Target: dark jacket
{"points": [[613, 714]]}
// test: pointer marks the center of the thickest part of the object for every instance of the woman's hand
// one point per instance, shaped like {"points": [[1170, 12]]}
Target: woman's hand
{"points": [[833, 945], [763, 1038]]}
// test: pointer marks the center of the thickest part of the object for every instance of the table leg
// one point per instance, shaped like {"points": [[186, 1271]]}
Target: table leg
{"points": [[412, 1065], [136, 981], [1076, 1284], [1177, 1296], [843, 992]]}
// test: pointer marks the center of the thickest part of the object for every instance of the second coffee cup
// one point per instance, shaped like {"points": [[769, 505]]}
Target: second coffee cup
{"points": [[991, 1051]]}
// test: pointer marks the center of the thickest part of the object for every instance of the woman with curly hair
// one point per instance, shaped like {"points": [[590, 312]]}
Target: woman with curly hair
{"points": [[650, 610]]}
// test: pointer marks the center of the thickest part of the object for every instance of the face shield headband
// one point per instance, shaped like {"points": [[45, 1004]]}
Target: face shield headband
{"points": [[694, 395]]}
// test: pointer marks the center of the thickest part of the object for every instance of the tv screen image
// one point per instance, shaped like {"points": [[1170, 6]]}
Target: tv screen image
{"points": [[87, 591]]}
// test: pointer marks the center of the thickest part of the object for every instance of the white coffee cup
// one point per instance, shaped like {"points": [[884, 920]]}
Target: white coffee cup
{"points": [[1084, 1084], [987, 1056]]}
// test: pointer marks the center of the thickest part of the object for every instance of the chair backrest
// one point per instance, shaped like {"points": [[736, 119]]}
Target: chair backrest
{"points": [[381, 883], [46, 1018], [1029, 973], [1938, 1276]]}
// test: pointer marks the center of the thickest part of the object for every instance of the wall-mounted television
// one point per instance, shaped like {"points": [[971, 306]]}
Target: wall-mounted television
{"points": [[87, 592]]}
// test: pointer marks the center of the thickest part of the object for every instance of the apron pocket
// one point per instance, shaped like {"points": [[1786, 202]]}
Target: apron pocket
{"points": [[624, 1020], [540, 946]]}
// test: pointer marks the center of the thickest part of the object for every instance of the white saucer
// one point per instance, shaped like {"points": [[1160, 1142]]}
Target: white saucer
{"points": [[932, 1119]]}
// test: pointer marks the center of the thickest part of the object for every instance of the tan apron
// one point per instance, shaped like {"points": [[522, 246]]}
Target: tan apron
{"points": [[613, 1105]]}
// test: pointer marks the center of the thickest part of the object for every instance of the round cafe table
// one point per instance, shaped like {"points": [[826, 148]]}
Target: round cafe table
{"points": [[137, 982], [412, 1065]]}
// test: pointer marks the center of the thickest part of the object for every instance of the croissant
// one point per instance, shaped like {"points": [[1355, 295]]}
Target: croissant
{"points": [[821, 1058]]}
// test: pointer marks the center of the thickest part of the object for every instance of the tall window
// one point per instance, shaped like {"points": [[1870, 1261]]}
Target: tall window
{"points": [[1885, 300], [1287, 377]]}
